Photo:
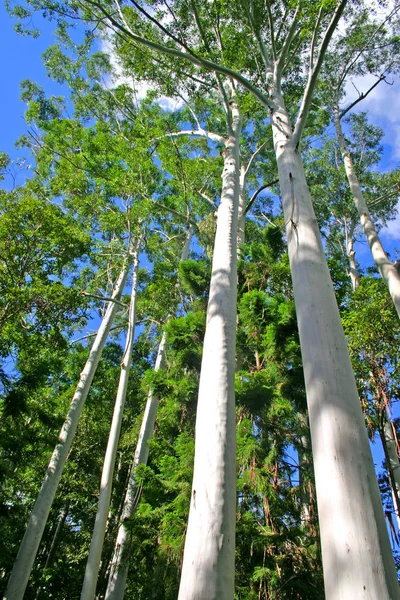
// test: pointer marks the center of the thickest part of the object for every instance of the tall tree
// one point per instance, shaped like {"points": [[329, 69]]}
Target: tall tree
{"points": [[276, 40]]}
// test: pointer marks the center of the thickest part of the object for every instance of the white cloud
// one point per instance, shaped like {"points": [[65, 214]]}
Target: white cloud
{"points": [[383, 107], [139, 89], [392, 230]]}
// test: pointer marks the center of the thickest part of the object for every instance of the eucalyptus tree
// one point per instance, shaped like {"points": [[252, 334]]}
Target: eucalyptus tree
{"points": [[275, 42], [367, 47], [120, 561], [93, 563], [320, 330], [333, 200], [31, 540], [53, 149]]}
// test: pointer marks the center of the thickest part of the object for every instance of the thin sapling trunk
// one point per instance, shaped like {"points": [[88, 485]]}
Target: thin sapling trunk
{"points": [[34, 531], [96, 545]]}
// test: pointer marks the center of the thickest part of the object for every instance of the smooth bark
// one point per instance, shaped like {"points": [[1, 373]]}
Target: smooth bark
{"points": [[303, 451], [34, 531], [386, 268], [96, 545], [120, 561], [208, 563], [351, 255], [242, 209], [54, 542], [356, 552]]}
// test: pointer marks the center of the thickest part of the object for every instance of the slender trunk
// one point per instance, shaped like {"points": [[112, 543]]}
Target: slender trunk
{"points": [[208, 562], [242, 209], [34, 531], [392, 463], [120, 561], [303, 451], [356, 552], [96, 545], [54, 542], [353, 271], [386, 268]]}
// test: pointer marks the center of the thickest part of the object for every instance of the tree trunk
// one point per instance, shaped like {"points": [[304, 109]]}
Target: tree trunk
{"points": [[392, 463], [54, 542], [120, 561], [356, 552], [242, 209], [353, 271], [34, 531], [386, 268], [96, 545], [209, 556], [303, 452]]}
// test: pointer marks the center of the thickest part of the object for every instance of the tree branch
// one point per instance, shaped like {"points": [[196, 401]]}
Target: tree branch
{"points": [[362, 96], [174, 212], [261, 46], [190, 108], [365, 47], [198, 132], [313, 75], [252, 157], [208, 48], [89, 335], [196, 60], [288, 40], [160, 26], [271, 30], [314, 37], [83, 293], [254, 196]]}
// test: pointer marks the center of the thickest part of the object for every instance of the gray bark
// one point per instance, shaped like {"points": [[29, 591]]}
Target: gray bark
{"points": [[34, 531], [96, 545]]}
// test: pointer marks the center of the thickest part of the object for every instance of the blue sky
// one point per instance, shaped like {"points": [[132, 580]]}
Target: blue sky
{"points": [[20, 59]]}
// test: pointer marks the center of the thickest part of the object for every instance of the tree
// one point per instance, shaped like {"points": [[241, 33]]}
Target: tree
{"points": [[331, 390]]}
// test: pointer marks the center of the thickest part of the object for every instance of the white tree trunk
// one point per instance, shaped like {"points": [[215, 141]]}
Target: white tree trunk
{"points": [[353, 271], [34, 531], [208, 563], [356, 552], [303, 450], [386, 268], [242, 209], [96, 545], [120, 561]]}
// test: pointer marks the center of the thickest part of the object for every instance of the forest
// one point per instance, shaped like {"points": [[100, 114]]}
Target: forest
{"points": [[198, 374]]}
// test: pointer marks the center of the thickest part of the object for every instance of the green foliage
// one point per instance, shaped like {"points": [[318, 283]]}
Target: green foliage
{"points": [[194, 277]]}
